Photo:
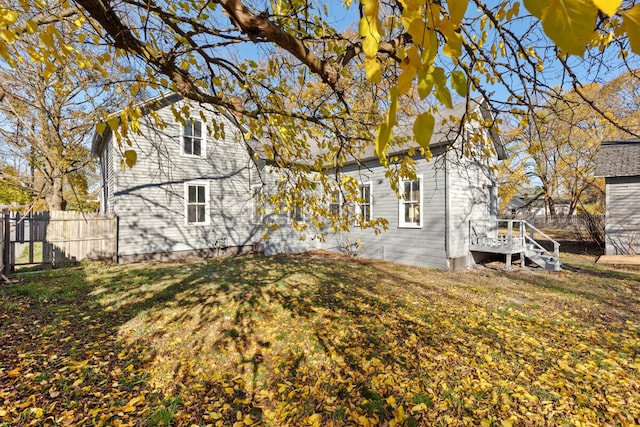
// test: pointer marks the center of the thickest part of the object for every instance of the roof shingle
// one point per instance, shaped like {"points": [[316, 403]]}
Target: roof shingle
{"points": [[619, 158]]}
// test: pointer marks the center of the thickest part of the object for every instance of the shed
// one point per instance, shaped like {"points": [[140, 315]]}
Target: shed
{"points": [[619, 164]]}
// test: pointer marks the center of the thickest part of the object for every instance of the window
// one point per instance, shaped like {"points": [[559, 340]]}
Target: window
{"points": [[297, 214], [410, 214], [196, 202], [193, 138], [258, 206], [365, 205], [334, 205]]}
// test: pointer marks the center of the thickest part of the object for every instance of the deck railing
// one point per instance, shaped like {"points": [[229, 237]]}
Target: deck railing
{"points": [[509, 236]]}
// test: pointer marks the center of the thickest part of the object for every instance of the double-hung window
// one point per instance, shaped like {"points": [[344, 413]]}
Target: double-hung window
{"points": [[258, 207], [410, 205], [193, 142], [335, 203], [365, 203], [196, 202]]}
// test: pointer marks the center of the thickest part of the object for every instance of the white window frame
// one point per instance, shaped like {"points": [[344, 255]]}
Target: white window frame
{"points": [[296, 214], [207, 203], [202, 137], [337, 204], [256, 192], [368, 202], [401, 204]]}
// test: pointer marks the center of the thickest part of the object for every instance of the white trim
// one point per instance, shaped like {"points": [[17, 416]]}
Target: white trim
{"points": [[401, 204], [337, 204], [369, 202], [256, 191], [203, 139], [207, 203]]}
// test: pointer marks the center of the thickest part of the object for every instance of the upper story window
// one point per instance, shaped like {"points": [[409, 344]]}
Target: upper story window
{"points": [[410, 205], [366, 202], [193, 142], [196, 202]]}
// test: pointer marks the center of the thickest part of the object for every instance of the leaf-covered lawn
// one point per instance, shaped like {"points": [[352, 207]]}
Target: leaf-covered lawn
{"points": [[316, 340]]}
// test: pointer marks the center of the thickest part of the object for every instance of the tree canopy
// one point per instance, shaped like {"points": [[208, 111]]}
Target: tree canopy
{"points": [[296, 70], [557, 149], [47, 115]]}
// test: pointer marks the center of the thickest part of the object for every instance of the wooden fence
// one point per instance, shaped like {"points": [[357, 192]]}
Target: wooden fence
{"points": [[54, 238]]}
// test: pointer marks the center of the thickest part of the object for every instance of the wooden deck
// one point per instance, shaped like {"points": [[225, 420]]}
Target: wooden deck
{"points": [[508, 237]]}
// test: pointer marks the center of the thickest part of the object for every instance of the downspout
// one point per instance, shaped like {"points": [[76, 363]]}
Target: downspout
{"points": [[447, 209]]}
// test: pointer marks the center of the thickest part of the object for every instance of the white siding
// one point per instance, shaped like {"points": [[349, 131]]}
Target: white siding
{"points": [[108, 175], [440, 241], [623, 216], [472, 197], [149, 199], [423, 246]]}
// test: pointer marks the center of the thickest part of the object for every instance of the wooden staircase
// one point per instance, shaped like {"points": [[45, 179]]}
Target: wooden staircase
{"points": [[510, 236]]}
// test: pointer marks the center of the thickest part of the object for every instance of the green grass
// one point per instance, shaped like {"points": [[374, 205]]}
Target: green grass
{"points": [[320, 340]]}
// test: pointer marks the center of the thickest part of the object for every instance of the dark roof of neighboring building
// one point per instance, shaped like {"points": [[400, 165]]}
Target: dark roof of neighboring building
{"points": [[619, 158]]}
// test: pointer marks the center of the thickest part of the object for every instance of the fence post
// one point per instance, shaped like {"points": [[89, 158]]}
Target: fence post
{"points": [[6, 247], [116, 237]]}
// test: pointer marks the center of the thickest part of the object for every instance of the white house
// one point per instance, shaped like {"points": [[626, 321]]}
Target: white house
{"points": [[191, 193]]}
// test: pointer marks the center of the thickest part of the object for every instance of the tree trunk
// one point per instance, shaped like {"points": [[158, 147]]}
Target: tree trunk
{"points": [[551, 205], [54, 197]]}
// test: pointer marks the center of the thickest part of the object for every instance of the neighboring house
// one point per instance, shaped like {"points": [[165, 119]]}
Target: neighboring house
{"points": [[192, 194], [189, 193], [430, 225], [619, 164], [526, 203]]}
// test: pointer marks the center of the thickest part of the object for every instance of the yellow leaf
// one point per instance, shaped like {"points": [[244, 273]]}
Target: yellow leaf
{"points": [[372, 68], [31, 26], [113, 123], [14, 373], [442, 91], [315, 419], [423, 129], [631, 24], [130, 158], [610, 7], [382, 139], [47, 39], [8, 36], [415, 26], [425, 83], [457, 9], [570, 24], [536, 7], [7, 17], [406, 78], [459, 82]]}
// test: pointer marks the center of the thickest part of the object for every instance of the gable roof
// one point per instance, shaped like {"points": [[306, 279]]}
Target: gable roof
{"points": [[619, 158], [445, 130], [155, 103]]}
